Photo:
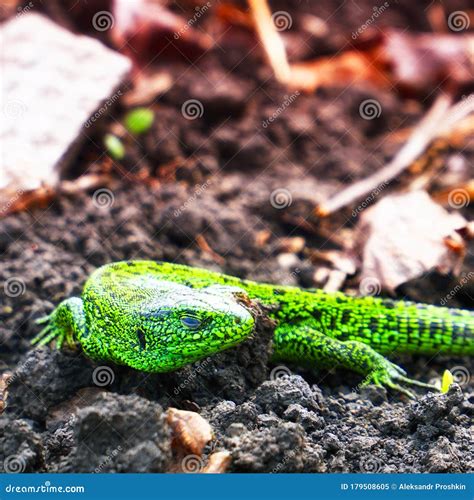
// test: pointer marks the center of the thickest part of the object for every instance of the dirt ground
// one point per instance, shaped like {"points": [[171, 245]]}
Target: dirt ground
{"points": [[217, 175]]}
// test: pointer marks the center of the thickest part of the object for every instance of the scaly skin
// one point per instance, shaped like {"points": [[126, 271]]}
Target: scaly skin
{"points": [[158, 317]]}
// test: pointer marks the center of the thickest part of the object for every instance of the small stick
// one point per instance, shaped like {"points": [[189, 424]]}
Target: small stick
{"points": [[271, 40], [421, 137]]}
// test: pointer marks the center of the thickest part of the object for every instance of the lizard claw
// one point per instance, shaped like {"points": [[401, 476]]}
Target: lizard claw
{"points": [[391, 375]]}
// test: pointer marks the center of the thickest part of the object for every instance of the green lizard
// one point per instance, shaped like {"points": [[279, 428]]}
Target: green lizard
{"points": [[157, 317]]}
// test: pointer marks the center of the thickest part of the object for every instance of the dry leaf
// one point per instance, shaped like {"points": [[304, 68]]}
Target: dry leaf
{"points": [[403, 236], [144, 29], [414, 62], [345, 69], [218, 463], [191, 432]]}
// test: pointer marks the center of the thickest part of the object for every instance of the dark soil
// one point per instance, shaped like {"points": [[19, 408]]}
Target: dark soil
{"points": [[217, 174]]}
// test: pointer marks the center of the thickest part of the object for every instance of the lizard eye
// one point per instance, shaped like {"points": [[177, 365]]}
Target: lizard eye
{"points": [[191, 322]]}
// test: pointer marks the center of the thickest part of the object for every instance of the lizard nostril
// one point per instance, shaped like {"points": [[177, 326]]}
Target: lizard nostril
{"points": [[141, 338], [238, 320]]}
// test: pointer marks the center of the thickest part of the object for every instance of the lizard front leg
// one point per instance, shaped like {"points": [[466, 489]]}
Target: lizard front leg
{"points": [[66, 324], [304, 344]]}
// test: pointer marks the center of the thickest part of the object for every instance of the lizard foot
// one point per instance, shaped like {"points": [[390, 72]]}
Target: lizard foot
{"points": [[391, 375], [48, 333]]}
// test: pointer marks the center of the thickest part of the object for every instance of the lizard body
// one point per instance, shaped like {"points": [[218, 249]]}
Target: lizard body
{"points": [[158, 317]]}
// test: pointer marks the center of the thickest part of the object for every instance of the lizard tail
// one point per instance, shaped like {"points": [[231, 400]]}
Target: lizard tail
{"points": [[408, 327]]}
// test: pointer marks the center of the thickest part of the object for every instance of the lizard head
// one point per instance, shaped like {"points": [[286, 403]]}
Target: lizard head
{"points": [[183, 325]]}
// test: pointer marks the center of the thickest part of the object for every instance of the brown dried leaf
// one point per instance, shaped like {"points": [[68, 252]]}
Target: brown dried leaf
{"points": [[4, 382], [191, 432], [420, 62], [347, 68], [143, 29], [146, 87], [403, 236], [293, 244], [218, 463], [414, 62]]}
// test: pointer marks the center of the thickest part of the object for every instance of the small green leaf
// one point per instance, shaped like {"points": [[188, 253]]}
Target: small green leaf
{"points": [[114, 146], [446, 381], [139, 120]]}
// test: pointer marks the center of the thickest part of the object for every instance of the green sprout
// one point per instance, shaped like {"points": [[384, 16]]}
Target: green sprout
{"points": [[114, 146], [446, 381], [139, 120]]}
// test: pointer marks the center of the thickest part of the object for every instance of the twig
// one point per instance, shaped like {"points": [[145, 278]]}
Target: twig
{"points": [[424, 133], [271, 40]]}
